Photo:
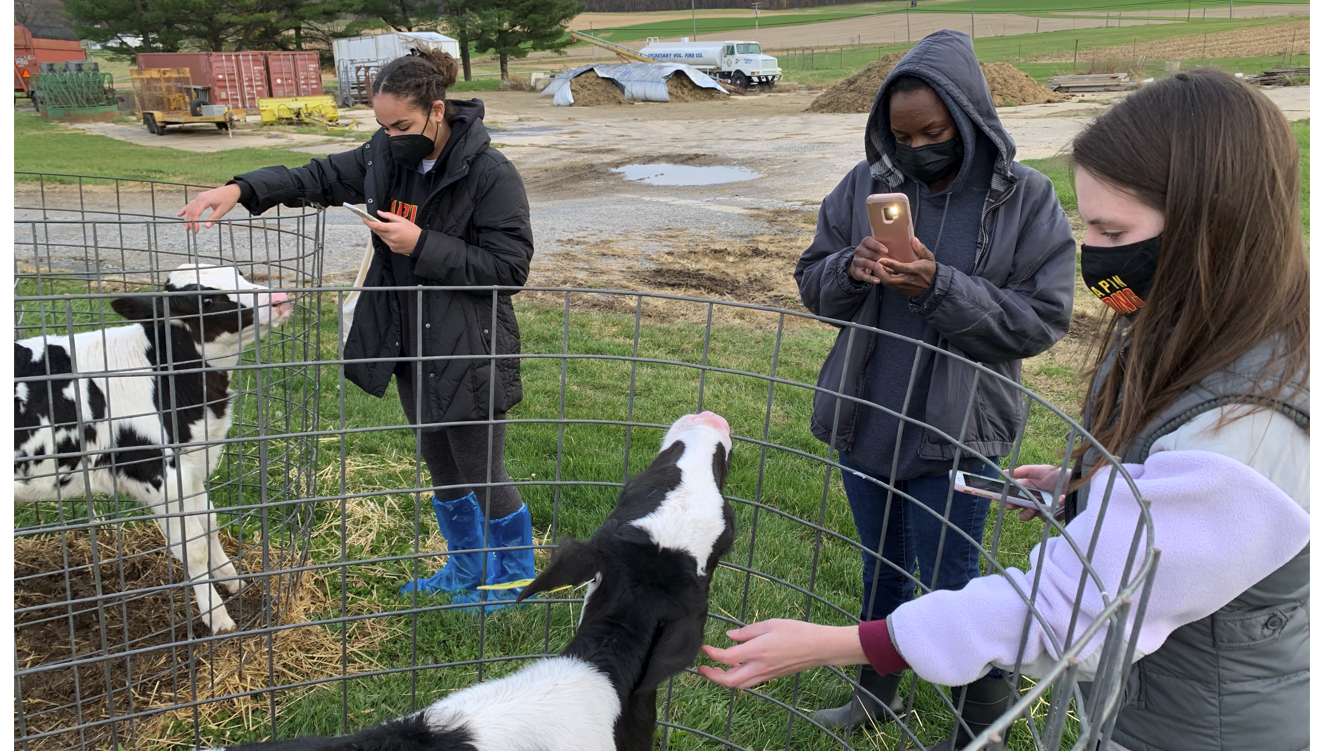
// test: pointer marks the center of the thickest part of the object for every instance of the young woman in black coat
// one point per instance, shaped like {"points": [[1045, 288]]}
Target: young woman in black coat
{"points": [[453, 213]]}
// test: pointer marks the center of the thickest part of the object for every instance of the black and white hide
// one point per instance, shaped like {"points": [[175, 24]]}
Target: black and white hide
{"points": [[649, 567], [107, 411]]}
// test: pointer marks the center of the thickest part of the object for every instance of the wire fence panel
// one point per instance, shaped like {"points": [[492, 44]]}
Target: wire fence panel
{"points": [[322, 499], [106, 615]]}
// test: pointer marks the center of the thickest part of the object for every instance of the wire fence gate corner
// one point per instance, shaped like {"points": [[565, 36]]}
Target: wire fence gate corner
{"points": [[320, 503]]}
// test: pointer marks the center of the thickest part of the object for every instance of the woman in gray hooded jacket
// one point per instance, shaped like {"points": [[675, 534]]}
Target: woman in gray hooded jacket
{"points": [[993, 282]]}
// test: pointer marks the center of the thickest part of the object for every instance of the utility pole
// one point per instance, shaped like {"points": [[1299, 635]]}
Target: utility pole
{"points": [[1232, 10], [756, 8], [693, 20], [1189, 15], [973, 14]]}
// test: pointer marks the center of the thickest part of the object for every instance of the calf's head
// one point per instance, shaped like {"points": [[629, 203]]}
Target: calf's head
{"points": [[227, 314]]}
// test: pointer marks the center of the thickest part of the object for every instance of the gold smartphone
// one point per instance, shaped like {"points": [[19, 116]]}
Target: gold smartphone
{"points": [[891, 224]]}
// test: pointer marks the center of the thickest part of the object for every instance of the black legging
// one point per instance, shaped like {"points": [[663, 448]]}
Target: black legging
{"points": [[459, 456]]}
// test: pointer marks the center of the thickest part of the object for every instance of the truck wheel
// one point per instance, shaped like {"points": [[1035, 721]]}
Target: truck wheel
{"points": [[150, 121], [741, 81], [196, 107]]}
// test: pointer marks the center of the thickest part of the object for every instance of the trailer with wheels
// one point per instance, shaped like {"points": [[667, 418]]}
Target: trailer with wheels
{"points": [[165, 96]]}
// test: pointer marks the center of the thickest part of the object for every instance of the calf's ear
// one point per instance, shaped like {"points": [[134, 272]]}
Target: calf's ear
{"points": [[138, 308], [574, 563]]}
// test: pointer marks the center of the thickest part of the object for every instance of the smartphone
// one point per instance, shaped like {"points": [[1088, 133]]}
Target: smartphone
{"points": [[994, 488], [360, 212], [891, 224]]}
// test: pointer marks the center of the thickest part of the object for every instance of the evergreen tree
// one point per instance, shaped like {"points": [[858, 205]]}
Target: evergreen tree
{"points": [[515, 28]]}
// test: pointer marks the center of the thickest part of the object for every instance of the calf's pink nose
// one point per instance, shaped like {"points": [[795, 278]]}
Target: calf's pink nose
{"points": [[714, 421], [279, 299]]}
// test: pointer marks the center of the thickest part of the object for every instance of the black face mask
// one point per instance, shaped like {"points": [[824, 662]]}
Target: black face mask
{"points": [[930, 162], [412, 148], [1121, 276]]}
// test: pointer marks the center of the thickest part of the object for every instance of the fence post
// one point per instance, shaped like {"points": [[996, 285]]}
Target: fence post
{"points": [[1075, 54]]}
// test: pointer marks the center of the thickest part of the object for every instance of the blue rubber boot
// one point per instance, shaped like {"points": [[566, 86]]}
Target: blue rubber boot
{"points": [[462, 525], [514, 567]]}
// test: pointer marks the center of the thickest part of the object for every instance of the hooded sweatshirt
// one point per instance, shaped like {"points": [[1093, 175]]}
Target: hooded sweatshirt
{"points": [[1003, 286], [948, 223]]}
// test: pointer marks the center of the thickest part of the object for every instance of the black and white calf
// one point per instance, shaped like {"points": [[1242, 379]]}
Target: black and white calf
{"points": [[649, 567], [115, 422]]}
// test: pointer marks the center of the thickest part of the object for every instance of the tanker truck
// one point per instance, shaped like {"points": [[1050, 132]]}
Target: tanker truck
{"points": [[739, 63]]}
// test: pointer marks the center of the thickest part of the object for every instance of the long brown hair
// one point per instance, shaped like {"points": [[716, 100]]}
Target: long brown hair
{"points": [[1221, 162]]}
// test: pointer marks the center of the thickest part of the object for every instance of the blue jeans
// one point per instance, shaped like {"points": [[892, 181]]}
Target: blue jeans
{"points": [[912, 537]]}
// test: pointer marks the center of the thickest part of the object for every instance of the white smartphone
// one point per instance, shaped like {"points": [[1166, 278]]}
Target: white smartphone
{"points": [[994, 488], [360, 212]]}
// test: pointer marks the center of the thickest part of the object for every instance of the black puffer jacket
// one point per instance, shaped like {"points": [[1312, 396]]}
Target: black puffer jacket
{"points": [[478, 234]]}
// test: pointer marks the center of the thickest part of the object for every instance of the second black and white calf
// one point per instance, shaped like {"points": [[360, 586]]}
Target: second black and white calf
{"points": [[649, 567], [132, 410]]}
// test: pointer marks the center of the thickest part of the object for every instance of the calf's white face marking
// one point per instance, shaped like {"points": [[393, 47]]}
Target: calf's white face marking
{"points": [[272, 309], [221, 344], [690, 517]]}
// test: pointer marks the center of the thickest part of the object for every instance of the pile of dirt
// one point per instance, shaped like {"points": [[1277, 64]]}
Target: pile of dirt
{"points": [[589, 90], [153, 624], [856, 93], [1011, 86], [682, 89]]}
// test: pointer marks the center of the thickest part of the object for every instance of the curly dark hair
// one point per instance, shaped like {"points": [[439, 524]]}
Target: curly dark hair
{"points": [[421, 78]]}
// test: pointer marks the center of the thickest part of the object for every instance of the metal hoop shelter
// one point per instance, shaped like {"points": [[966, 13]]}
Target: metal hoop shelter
{"points": [[605, 373], [105, 618]]}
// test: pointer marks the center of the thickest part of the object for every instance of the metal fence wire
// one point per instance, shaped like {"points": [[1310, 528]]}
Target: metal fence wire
{"points": [[327, 538], [105, 617]]}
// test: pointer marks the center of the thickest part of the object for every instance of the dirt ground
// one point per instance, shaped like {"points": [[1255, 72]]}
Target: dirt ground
{"points": [[593, 226]]}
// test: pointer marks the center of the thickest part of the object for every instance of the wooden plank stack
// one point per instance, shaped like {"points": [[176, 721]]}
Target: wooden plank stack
{"points": [[1277, 76], [1086, 83]]}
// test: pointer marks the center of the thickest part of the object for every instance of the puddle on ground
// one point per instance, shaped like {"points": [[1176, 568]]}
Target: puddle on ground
{"points": [[679, 174]]}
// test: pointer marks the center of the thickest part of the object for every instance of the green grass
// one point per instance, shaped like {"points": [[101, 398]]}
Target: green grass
{"points": [[1302, 135], [47, 147], [1057, 169], [1065, 7], [490, 83]]}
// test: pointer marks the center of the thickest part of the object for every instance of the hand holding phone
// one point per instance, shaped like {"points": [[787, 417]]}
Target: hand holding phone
{"points": [[357, 211], [891, 224], [1013, 493]]}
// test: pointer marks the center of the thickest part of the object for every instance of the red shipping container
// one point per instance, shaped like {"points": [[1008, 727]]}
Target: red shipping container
{"points": [[238, 79], [294, 74], [29, 50]]}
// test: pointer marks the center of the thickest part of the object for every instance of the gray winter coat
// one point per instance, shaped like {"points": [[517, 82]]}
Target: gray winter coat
{"points": [[1016, 304]]}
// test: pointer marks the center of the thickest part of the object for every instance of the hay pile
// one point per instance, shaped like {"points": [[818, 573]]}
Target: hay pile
{"points": [[589, 90], [160, 677], [682, 89], [1011, 86], [856, 94]]}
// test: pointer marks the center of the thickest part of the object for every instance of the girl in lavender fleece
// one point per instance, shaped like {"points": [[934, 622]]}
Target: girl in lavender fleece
{"points": [[1189, 190]]}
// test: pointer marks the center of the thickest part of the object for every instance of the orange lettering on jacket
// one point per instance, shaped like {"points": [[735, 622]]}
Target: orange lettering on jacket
{"points": [[407, 210]]}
